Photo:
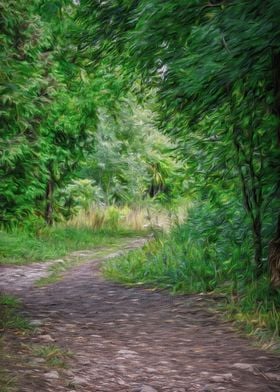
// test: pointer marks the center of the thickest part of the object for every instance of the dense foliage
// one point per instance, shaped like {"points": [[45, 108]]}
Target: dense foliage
{"points": [[25, 96], [43, 132], [64, 121], [216, 69]]}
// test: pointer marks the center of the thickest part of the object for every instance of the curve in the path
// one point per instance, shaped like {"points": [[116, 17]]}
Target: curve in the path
{"points": [[134, 339]]}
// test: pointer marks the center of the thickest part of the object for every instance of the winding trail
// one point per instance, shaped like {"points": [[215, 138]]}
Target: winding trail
{"points": [[127, 339]]}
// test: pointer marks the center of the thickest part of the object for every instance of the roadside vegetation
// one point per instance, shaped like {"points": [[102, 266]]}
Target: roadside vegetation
{"points": [[19, 247], [197, 259]]}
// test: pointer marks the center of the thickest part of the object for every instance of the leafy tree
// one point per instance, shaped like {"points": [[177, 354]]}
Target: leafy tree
{"points": [[25, 95], [216, 68], [48, 112], [130, 159]]}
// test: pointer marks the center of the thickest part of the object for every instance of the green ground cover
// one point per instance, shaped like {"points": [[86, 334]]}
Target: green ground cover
{"points": [[22, 247]]}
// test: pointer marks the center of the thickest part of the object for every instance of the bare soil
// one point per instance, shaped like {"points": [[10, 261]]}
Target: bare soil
{"points": [[126, 339]]}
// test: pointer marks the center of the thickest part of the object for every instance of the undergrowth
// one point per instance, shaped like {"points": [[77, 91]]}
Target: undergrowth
{"points": [[193, 260]]}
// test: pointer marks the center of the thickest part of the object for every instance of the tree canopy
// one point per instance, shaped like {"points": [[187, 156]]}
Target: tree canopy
{"points": [[215, 66], [65, 119]]}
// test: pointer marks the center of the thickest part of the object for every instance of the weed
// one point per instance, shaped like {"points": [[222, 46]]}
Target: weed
{"points": [[53, 355], [7, 382], [9, 317]]}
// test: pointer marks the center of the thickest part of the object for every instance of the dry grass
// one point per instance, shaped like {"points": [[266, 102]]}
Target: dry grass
{"points": [[129, 218]]}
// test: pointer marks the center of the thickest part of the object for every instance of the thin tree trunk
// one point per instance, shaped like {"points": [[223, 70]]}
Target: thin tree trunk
{"points": [[258, 245], [49, 205], [274, 246], [274, 258], [252, 198]]}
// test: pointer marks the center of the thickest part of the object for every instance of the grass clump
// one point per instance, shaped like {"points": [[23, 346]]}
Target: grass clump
{"points": [[7, 382], [9, 317], [212, 258], [53, 355]]}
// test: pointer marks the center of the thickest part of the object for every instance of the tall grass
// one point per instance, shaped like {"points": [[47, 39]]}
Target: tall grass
{"points": [[139, 217], [184, 264]]}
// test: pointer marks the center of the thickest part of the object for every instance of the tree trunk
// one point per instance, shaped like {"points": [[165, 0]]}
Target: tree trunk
{"points": [[49, 205], [274, 258], [258, 246], [274, 246], [252, 197]]}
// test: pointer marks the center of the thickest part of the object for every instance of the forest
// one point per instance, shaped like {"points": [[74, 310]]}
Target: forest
{"points": [[142, 117]]}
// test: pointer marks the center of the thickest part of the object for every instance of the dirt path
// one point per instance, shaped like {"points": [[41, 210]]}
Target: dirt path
{"points": [[128, 339]]}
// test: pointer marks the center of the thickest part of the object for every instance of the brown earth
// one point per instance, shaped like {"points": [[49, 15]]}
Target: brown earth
{"points": [[127, 339]]}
